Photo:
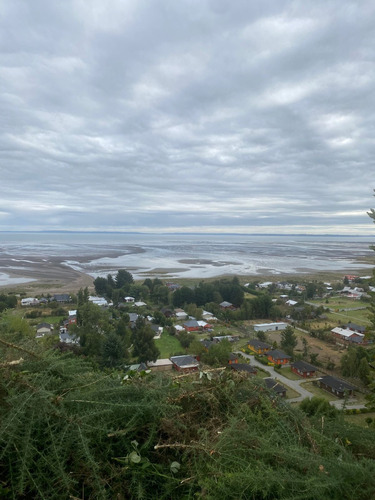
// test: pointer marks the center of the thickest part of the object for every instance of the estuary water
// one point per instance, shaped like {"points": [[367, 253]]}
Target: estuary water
{"points": [[172, 256]]}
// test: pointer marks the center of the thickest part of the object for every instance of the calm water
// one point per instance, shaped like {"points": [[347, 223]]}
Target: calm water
{"points": [[176, 256]]}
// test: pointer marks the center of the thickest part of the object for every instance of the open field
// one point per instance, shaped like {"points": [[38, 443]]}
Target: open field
{"points": [[168, 345]]}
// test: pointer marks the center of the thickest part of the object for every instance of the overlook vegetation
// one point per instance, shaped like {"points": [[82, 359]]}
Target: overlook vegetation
{"points": [[69, 430]]}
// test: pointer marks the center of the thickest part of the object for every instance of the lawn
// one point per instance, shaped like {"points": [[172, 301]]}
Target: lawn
{"points": [[168, 345], [360, 419], [287, 372], [321, 393], [290, 393]]}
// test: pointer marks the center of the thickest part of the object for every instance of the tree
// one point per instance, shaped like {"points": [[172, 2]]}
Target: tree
{"points": [[143, 341], [114, 351], [123, 278], [261, 335], [100, 285], [288, 340]]}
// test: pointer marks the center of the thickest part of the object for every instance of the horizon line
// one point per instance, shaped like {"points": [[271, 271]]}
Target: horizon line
{"points": [[69, 231]]}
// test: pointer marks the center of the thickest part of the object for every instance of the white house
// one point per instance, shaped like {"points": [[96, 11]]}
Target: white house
{"points": [[29, 301]]}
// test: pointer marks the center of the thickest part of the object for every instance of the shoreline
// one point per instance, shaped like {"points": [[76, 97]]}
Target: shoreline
{"points": [[60, 278]]}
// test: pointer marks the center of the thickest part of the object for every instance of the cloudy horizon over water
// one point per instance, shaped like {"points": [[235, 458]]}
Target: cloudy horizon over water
{"points": [[190, 117]]}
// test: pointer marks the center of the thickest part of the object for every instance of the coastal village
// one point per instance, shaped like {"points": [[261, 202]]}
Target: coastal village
{"points": [[298, 349]]}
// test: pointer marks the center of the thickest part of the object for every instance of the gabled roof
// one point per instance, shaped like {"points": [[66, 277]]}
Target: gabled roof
{"points": [[184, 361], [61, 297], [272, 384], [193, 323], [225, 304], [207, 343], [44, 325], [302, 366], [337, 384], [277, 354], [243, 367], [258, 344], [358, 328]]}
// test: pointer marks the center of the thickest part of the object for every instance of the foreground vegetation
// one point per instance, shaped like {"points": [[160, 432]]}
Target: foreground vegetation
{"points": [[69, 430]]}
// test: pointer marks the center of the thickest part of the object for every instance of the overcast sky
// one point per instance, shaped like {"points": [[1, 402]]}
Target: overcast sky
{"points": [[175, 115]]}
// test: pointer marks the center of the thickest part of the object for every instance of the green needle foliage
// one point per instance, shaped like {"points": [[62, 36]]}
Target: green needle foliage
{"points": [[68, 430]]}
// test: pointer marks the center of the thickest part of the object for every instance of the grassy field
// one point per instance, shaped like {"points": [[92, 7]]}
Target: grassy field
{"points": [[360, 419], [168, 345]]}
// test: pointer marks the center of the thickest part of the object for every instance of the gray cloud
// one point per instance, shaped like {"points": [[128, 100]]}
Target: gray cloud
{"points": [[191, 116]]}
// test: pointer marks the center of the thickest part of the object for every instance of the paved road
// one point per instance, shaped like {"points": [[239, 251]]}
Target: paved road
{"points": [[296, 385]]}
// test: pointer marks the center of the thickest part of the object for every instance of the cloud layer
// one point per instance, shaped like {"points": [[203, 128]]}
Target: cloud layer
{"points": [[201, 115]]}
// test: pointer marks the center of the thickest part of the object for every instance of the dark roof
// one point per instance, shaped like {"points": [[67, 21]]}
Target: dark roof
{"points": [[243, 367], [258, 344], [337, 384], [44, 325], [302, 366], [184, 360], [193, 323], [61, 297], [232, 356], [277, 354], [358, 328], [207, 343], [275, 386]]}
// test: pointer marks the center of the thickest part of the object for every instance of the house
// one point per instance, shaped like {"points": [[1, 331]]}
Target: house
{"points": [[72, 317], [99, 301], [66, 338], [278, 357], [227, 305], [348, 335], [274, 386], [185, 363], [129, 299], [232, 359], [139, 304], [179, 328], [258, 346], [291, 302], [158, 330], [192, 326], [270, 327], [160, 365], [168, 313], [208, 316], [303, 369], [336, 386], [204, 325], [133, 319], [138, 367], [230, 338], [29, 301], [244, 367], [207, 344], [172, 286], [356, 328], [61, 298], [43, 329], [180, 314]]}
